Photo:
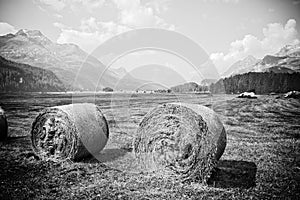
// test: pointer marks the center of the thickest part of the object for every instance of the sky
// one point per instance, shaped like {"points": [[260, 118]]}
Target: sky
{"points": [[228, 30]]}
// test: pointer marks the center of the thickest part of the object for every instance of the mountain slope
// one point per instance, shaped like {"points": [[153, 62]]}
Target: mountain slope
{"points": [[278, 69], [287, 60], [136, 82], [290, 50], [158, 74], [15, 77], [241, 66], [74, 67]]}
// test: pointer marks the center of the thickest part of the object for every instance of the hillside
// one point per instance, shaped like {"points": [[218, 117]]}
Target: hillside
{"points": [[159, 74], [16, 77], [241, 66], [207, 82], [74, 67], [260, 82], [278, 69]]}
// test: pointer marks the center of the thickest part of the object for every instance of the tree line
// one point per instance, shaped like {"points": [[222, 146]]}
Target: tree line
{"points": [[260, 82]]}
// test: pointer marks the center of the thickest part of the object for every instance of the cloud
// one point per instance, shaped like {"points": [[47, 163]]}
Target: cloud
{"points": [[6, 28], [57, 16], [158, 5], [271, 10], [59, 25], [135, 14], [275, 37], [222, 1], [90, 33], [131, 14], [296, 2], [91, 5], [57, 5], [73, 5]]}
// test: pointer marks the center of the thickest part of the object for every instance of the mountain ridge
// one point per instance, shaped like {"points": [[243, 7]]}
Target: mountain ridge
{"points": [[240, 66], [74, 67], [286, 60]]}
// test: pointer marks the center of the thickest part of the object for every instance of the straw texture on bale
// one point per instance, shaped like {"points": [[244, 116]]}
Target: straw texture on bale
{"points": [[69, 132], [3, 125], [184, 139]]}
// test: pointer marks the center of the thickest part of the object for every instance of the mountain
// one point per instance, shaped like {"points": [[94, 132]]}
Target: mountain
{"points": [[288, 63], [278, 69], [74, 67], [120, 72], [207, 82], [15, 77], [287, 60], [278, 73], [241, 66], [159, 74], [126, 80], [290, 50]]}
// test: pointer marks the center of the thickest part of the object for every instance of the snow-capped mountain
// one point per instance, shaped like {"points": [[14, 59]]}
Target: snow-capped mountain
{"points": [[287, 60]]}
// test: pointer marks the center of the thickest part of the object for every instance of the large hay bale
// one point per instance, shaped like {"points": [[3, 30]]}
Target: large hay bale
{"points": [[183, 139], [3, 125], [69, 132]]}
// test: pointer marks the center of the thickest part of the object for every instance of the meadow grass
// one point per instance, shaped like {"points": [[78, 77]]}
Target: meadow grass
{"points": [[261, 159]]}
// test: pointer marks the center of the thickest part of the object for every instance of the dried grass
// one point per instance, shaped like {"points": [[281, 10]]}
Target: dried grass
{"points": [[69, 132], [181, 139]]}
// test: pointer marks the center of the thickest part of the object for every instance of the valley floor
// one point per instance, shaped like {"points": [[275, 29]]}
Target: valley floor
{"points": [[261, 159]]}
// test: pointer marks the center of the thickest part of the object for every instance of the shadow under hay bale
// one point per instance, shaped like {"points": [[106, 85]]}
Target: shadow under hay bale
{"points": [[71, 132], [233, 174], [3, 125], [109, 155], [184, 139]]}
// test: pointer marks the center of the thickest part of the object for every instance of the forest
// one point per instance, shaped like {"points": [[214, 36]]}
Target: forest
{"points": [[189, 87], [260, 82], [17, 77]]}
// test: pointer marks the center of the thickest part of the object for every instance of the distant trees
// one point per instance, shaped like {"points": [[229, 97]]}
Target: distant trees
{"points": [[163, 91], [189, 87], [261, 83], [17, 77]]}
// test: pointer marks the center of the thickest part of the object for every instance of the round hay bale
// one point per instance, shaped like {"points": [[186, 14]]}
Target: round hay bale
{"points": [[3, 125], [69, 132], [183, 139]]}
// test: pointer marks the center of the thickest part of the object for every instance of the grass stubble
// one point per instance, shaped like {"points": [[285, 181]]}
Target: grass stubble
{"points": [[263, 131]]}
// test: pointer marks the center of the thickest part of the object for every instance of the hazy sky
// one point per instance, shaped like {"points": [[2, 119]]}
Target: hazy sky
{"points": [[228, 30]]}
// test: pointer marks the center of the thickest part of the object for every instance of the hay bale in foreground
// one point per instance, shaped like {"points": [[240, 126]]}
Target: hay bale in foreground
{"points": [[3, 125], [184, 139], [69, 132]]}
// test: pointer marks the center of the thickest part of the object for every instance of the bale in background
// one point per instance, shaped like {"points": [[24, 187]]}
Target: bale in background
{"points": [[3, 125], [184, 139], [69, 132]]}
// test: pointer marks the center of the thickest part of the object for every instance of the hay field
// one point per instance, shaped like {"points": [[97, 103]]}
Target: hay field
{"points": [[261, 159]]}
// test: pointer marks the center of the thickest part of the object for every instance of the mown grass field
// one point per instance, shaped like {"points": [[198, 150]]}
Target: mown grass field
{"points": [[261, 160]]}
